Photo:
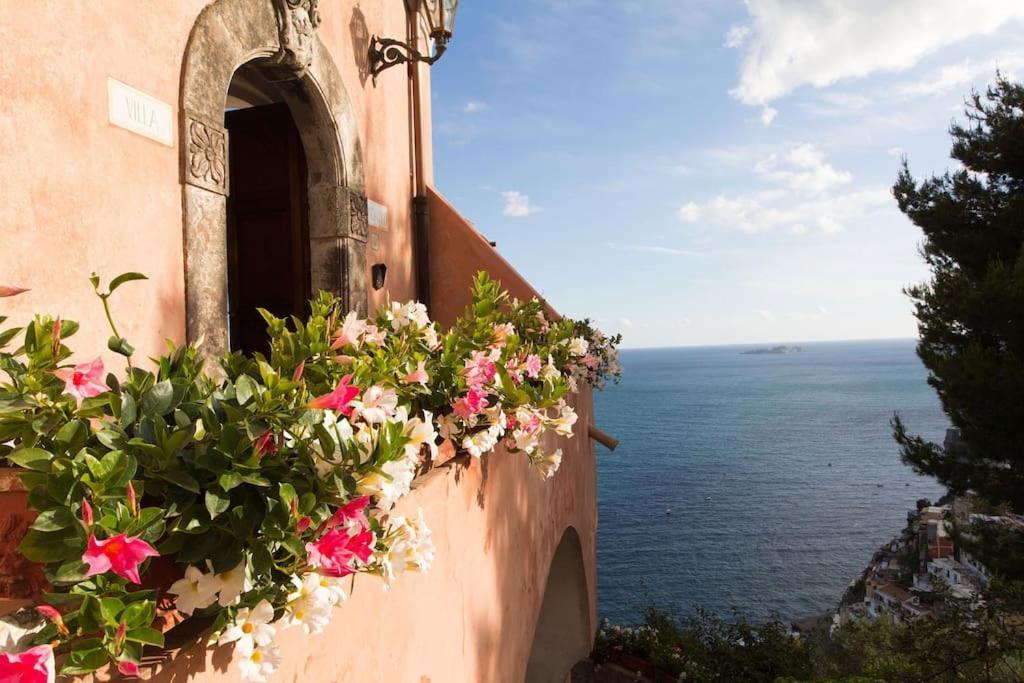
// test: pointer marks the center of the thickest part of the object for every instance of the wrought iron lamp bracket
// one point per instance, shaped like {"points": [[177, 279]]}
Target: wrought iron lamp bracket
{"points": [[387, 52]]}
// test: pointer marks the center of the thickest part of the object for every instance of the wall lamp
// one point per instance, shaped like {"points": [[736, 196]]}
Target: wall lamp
{"points": [[440, 18]]}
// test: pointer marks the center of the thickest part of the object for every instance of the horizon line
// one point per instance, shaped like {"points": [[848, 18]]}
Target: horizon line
{"points": [[766, 343]]}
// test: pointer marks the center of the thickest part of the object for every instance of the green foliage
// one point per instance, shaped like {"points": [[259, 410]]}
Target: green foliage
{"points": [[239, 471], [969, 313]]}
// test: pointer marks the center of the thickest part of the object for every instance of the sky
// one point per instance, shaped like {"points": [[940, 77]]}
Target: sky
{"points": [[693, 172]]}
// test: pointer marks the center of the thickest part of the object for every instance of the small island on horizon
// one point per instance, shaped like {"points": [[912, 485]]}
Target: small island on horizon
{"points": [[773, 349]]}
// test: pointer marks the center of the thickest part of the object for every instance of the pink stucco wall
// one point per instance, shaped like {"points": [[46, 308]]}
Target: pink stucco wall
{"points": [[78, 194]]}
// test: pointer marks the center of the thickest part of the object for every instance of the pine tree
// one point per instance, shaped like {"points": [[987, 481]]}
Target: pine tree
{"points": [[971, 313]]}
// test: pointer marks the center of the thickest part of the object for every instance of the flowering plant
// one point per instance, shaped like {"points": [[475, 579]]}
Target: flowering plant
{"points": [[269, 481]]}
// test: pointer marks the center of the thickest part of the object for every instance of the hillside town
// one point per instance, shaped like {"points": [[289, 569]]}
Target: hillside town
{"points": [[918, 572]]}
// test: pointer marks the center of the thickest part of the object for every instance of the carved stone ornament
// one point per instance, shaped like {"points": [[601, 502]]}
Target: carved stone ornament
{"points": [[206, 157], [358, 215], [296, 26]]}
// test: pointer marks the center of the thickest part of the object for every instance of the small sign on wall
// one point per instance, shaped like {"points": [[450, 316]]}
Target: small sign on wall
{"points": [[377, 215], [136, 111]]}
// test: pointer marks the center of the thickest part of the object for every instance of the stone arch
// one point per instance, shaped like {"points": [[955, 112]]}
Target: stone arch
{"points": [[562, 636], [280, 35]]}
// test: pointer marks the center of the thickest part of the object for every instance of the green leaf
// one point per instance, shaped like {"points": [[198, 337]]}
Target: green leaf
{"points": [[31, 459], [146, 635], [229, 480], [111, 609], [288, 495], [72, 571], [128, 409], [72, 435], [7, 335], [159, 399], [109, 465], [125, 277], [217, 502], [245, 387], [139, 614], [81, 661], [51, 546], [53, 520], [181, 478]]}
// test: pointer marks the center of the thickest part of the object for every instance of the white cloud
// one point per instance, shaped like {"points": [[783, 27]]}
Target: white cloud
{"points": [[689, 212], [654, 249], [625, 322], [767, 316], [759, 212], [802, 169], [964, 75], [768, 115], [517, 204], [736, 36], [474, 106], [896, 151], [794, 42]]}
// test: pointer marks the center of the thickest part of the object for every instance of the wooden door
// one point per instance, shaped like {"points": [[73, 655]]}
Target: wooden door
{"points": [[268, 226]]}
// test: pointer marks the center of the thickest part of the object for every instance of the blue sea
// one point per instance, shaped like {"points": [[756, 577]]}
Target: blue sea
{"points": [[779, 470]]}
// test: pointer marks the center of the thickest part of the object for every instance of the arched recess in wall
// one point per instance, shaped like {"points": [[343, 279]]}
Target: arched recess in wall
{"points": [[562, 634], [279, 36]]}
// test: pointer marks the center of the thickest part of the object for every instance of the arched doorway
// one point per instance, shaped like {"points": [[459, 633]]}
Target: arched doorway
{"points": [[562, 635], [267, 211], [236, 48]]}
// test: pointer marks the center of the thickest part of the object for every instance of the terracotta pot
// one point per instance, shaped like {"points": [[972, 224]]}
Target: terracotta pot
{"points": [[20, 580]]}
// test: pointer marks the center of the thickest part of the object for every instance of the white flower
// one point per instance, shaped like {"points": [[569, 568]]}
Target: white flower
{"points": [[256, 662], [547, 465], [449, 426], [480, 442], [252, 627], [195, 591], [525, 440], [566, 419], [412, 313], [578, 346], [550, 371], [430, 337], [411, 547], [332, 586], [231, 584], [377, 405], [309, 605], [393, 481], [421, 432]]}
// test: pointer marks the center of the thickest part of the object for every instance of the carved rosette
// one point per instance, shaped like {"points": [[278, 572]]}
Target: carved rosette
{"points": [[297, 21], [206, 155]]}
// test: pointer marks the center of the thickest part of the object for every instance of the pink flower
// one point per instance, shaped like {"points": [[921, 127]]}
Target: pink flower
{"points": [[121, 554], [590, 361], [126, 667], [34, 665], [55, 332], [53, 615], [303, 523], [7, 290], [501, 334], [265, 444], [133, 503], [337, 550], [479, 369], [351, 332], [472, 403], [338, 399], [83, 381], [86, 513], [532, 366], [418, 376], [297, 375], [354, 510]]}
